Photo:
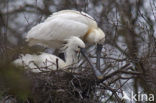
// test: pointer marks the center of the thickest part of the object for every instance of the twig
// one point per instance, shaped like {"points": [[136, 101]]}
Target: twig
{"points": [[114, 73]]}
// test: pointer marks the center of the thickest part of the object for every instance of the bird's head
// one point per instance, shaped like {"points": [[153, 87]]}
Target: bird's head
{"points": [[96, 36], [73, 48], [75, 44]]}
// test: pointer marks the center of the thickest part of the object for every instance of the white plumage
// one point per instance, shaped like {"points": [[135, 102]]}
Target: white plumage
{"points": [[64, 24], [47, 62]]}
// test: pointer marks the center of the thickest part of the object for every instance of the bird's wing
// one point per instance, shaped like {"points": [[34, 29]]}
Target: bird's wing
{"points": [[73, 15], [57, 30], [52, 60]]}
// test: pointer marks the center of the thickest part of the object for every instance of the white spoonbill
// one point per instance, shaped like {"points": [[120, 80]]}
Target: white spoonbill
{"points": [[48, 62], [64, 24]]}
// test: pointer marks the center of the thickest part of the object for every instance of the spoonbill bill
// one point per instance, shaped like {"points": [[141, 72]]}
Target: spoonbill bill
{"points": [[62, 25], [51, 62]]}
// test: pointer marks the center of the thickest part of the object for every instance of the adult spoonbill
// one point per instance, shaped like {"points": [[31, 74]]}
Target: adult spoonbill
{"points": [[64, 24], [47, 62]]}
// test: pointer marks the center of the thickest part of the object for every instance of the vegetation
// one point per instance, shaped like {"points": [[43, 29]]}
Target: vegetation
{"points": [[128, 57]]}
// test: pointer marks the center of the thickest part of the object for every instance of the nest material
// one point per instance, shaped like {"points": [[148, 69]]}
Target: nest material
{"points": [[62, 87], [46, 87]]}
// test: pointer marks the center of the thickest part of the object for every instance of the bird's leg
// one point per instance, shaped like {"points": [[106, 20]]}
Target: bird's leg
{"points": [[98, 52], [96, 71]]}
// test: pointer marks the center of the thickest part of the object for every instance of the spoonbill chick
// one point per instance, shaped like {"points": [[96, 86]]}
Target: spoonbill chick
{"points": [[62, 25], [47, 62]]}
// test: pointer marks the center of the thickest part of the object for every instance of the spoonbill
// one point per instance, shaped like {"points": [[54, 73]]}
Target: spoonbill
{"points": [[51, 62], [62, 25]]}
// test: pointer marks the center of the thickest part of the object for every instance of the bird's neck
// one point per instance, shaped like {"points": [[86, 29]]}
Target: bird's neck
{"points": [[70, 55]]}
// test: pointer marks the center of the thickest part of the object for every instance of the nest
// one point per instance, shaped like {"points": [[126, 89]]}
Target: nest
{"points": [[62, 87]]}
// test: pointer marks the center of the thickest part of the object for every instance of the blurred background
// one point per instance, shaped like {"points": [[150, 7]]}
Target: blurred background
{"points": [[128, 55]]}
